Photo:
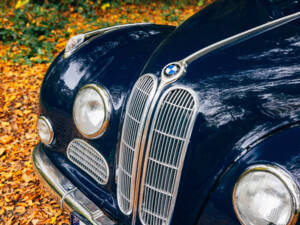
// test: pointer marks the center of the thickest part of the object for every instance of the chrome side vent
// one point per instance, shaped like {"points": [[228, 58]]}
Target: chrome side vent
{"points": [[168, 141], [136, 110], [89, 160]]}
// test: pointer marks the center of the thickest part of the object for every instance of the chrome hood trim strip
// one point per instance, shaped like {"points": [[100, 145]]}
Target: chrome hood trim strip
{"points": [[240, 37], [225, 43], [87, 37], [104, 30]]}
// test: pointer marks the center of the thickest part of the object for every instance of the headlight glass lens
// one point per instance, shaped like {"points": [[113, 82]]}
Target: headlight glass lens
{"points": [[90, 111], [45, 130], [262, 198]]}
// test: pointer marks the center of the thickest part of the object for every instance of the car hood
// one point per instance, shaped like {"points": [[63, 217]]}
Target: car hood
{"points": [[245, 92]]}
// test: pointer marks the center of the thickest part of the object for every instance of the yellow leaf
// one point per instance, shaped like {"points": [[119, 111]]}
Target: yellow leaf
{"points": [[70, 30], [42, 37], [6, 199], [53, 220], [20, 209], [26, 112], [18, 105], [18, 112], [6, 139], [105, 6], [22, 204], [8, 208], [21, 3]]}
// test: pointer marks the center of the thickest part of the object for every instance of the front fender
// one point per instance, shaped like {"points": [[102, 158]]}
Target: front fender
{"points": [[113, 60], [282, 149]]}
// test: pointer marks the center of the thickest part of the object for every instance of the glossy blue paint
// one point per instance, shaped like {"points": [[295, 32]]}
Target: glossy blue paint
{"points": [[279, 8], [113, 61], [252, 91], [282, 149], [246, 92], [218, 21]]}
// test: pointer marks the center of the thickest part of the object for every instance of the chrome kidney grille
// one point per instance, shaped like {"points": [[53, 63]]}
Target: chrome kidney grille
{"points": [[136, 110], [89, 160], [169, 137]]}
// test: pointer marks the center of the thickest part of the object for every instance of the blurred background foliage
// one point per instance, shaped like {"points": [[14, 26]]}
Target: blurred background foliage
{"points": [[32, 32], [36, 30]]}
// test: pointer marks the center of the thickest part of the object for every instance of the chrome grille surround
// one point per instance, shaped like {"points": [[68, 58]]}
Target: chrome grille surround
{"points": [[169, 137], [136, 112], [89, 160]]}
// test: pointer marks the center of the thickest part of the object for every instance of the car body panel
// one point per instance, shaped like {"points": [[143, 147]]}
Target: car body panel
{"points": [[247, 92], [282, 149], [239, 105], [113, 60]]}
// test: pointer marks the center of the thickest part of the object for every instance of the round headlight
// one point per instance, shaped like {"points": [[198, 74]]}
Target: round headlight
{"points": [[45, 130], [266, 195], [91, 111]]}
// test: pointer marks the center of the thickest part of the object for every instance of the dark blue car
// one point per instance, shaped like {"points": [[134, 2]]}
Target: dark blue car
{"points": [[145, 124]]}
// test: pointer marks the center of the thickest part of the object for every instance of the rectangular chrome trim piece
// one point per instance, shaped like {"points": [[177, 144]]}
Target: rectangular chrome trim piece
{"points": [[89, 160], [61, 186], [135, 116], [169, 137]]}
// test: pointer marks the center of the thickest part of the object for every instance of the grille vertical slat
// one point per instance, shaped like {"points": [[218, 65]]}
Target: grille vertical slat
{"points": [[168, 140], [138, 104]]}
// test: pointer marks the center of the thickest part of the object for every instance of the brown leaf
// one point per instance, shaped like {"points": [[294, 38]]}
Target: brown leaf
{"points": [[22, 200]]}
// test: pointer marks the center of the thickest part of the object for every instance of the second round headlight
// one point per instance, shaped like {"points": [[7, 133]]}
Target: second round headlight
{"points": [[266, 195], [45, 130], [91, 111]]}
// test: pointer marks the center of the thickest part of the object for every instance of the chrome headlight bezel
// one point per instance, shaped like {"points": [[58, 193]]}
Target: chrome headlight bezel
{"points": [[286, 180], [107, 110], [47, 122]]}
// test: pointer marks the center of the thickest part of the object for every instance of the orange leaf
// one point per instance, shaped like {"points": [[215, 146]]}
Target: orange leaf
{"points": [[6, 139]]}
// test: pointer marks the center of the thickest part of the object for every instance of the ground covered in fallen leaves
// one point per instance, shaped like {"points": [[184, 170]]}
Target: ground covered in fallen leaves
{"points": [[22, 200]]}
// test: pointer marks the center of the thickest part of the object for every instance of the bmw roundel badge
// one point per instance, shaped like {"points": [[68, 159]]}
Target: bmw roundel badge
{"points": [[172, 70]]}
